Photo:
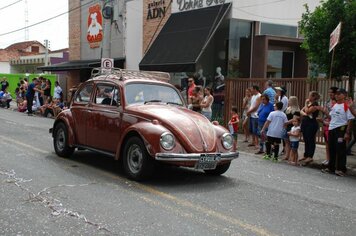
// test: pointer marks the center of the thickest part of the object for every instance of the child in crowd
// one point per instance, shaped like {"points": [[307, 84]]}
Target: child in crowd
{"points": [[234, 125], [275, 123], [22, 107], [294, 135]]}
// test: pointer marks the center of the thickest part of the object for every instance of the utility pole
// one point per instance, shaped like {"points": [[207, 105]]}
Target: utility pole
{"points": [[46, 52], [26, 22], [107, 15]]}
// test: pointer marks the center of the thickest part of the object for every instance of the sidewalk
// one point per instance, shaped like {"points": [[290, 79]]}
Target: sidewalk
{"points": [[319, 155]]}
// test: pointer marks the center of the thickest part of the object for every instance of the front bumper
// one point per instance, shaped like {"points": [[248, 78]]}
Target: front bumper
{"points": [[173, 157]]}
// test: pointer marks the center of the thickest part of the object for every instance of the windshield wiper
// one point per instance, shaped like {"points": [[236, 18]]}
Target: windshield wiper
{"points": [[152, 101], [174, 103]]}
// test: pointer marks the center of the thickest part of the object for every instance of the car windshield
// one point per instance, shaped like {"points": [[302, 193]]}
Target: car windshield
{"points": [[147, 93]]}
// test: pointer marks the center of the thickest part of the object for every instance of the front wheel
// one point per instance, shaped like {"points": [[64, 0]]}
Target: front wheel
{"points": [[219, 170], [138, 164], [60, 141]]}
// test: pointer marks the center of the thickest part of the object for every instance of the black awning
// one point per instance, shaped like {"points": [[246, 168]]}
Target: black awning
{"points": [[80, 64], [182, 39]]}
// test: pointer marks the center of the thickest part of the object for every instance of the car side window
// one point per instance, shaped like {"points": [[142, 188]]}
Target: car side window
{"points": [[107, 95], [83, 96]]}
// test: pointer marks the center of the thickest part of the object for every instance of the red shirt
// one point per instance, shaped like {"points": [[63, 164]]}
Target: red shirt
{"points": [[190, 90], [235, 118]]}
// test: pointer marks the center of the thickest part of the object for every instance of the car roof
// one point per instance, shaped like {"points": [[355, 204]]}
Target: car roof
{"points": [[119, 75]]}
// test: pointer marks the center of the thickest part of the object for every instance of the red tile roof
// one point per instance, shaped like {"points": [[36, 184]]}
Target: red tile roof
{"points": [[22, 45]]}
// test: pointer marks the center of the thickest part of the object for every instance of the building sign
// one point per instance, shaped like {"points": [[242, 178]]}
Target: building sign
{"points": [[335, 37], [95, 29], [156, 9], [186, 5]]}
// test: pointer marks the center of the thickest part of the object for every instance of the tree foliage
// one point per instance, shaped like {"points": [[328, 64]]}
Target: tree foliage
{"points": [[317, 26]]}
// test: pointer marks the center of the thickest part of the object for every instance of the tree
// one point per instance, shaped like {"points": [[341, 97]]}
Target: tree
{"points": [[317, 26]]}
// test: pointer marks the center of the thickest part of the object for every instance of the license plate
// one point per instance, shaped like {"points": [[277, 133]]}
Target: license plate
{"points": [[207, 161]]}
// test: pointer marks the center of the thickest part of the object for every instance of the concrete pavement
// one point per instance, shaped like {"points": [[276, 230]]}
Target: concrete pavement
{"points": [[319, 156]]}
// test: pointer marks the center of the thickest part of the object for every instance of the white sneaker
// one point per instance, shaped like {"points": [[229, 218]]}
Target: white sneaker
{"points": [[325, 163]]}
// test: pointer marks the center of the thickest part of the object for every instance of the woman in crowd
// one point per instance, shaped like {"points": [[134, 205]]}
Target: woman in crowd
{"points": [[47, 90], [206, 103], [310, 126], [281, 97], [246, 103], [291, 111], [263, 111], [325, 120]]}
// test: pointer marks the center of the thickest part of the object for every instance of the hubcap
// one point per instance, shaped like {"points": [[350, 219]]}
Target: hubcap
{"points": [[135, 157], [60, 140]]}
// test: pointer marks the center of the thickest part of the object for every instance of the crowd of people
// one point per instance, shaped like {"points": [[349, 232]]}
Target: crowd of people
{"points": [[34, 97], [270, 119], [200, 99]]}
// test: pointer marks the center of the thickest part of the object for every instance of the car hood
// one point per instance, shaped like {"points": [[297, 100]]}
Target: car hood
{"points": [[195, 132]]}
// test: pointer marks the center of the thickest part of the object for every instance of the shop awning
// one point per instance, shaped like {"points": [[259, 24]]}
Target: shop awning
{"points": [[183, 39], [80, 64]]}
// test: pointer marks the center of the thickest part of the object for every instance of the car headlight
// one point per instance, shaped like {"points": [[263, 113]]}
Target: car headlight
{"points": [[167, 141], [227, 141]]}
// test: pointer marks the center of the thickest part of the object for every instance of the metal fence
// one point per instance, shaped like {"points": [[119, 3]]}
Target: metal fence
{"points": [[299, 87]]}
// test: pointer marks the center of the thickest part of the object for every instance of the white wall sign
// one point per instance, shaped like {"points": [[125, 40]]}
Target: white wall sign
{"points": [[107, 63], [187, 5]]}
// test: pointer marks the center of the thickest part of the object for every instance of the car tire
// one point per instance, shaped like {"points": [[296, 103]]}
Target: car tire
{"points": [[60, 141], [219, 170], [138, 164]]}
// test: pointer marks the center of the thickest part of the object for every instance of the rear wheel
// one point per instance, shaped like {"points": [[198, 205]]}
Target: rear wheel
{"points": [[219, 170], [138, 164], [60, 141]]}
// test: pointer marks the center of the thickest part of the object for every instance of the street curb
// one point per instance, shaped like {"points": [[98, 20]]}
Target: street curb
{"points": [[313, 165]]}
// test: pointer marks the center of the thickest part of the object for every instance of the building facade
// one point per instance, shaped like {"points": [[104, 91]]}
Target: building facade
{"points": [[245, 38], [242, 38]]}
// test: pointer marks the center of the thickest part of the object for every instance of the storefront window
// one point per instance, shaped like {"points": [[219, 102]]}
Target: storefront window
{"points": [[280, 64], [278, 30], [239, 48]]}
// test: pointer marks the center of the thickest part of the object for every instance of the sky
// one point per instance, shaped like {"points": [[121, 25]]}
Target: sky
{"points": [[13, 18]]}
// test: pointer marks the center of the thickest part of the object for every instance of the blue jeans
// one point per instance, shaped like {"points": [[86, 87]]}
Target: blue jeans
{"points": [[261, 137], [207, 114], [253, 126]]}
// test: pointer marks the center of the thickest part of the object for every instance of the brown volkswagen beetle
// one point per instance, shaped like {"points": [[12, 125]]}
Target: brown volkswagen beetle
{"points": [[140, 119]]}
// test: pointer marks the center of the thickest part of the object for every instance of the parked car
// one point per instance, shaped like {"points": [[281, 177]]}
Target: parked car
{"points": [[140, 119]]}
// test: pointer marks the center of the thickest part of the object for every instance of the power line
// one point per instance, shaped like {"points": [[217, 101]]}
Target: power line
{"points": [[2, 8], [48, 19]]}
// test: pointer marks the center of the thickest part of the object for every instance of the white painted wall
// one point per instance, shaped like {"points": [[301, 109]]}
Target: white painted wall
{"points": [[284, 12], [134, 34], [4, 67]]}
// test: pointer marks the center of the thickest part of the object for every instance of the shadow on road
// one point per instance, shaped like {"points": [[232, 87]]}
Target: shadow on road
{"points": [[164, 176]]}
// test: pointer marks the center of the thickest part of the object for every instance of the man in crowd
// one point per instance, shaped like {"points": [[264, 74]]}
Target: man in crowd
{"points": [[191, 86], [4, 84], [32, 88], [252, 113], [339, 133], [269, 91]]}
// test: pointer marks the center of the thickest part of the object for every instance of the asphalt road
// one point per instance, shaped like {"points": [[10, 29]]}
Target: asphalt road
{"points": [[42, 194]]}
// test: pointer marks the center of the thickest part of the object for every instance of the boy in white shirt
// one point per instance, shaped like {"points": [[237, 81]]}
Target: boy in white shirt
{"points": [[275, 123]]}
